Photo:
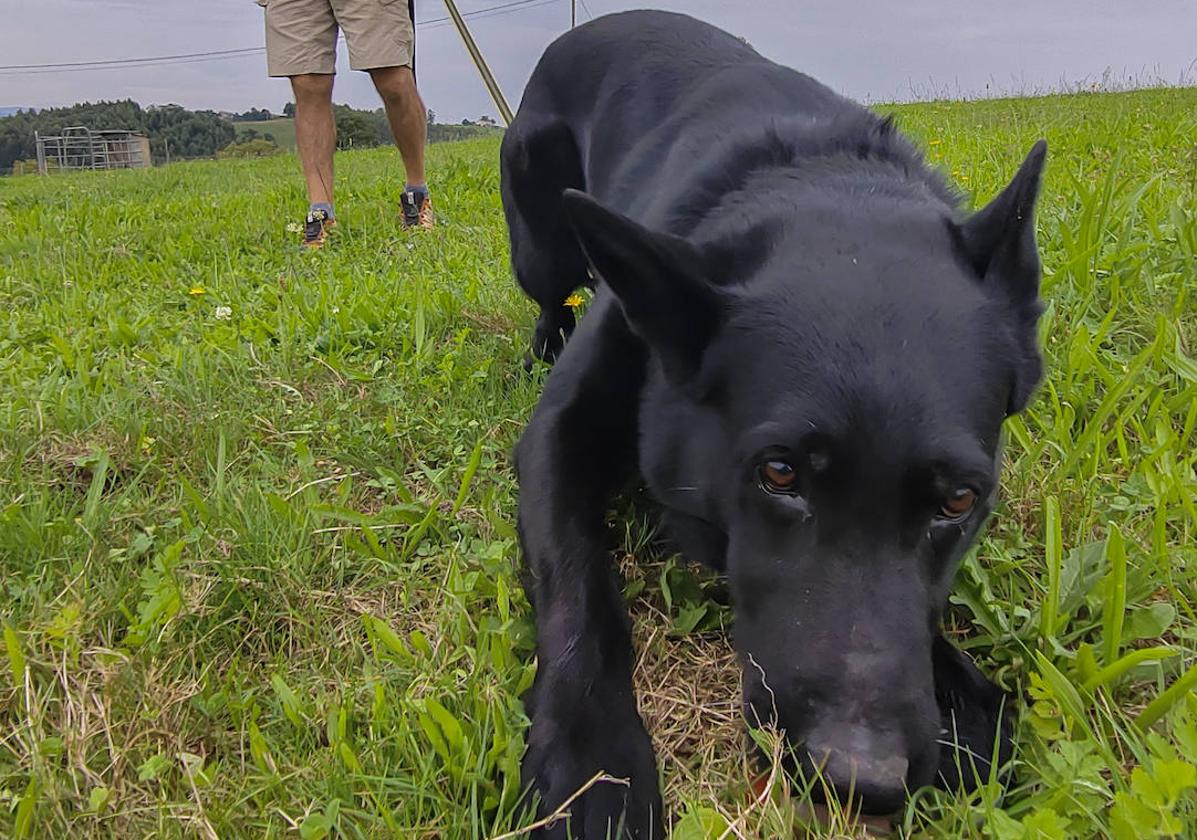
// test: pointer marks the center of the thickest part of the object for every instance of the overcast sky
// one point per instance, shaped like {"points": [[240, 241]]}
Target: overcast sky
{"points": [[874, 51]]}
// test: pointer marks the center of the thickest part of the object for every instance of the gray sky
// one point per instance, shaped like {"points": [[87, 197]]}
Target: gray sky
{"points": [[874, 51]]}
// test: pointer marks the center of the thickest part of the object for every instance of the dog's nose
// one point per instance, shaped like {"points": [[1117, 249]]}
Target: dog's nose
{"points": [[860, 764]]}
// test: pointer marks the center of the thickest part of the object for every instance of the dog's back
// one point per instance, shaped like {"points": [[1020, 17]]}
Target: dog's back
{"points": [[679, 125], [651, 98]]}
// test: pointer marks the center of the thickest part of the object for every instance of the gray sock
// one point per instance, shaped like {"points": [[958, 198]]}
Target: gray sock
{"points": [[322, 205]]}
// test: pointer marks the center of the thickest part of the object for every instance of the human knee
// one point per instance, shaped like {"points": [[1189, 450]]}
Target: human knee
{"points": [[312, 87], [394, 84]]}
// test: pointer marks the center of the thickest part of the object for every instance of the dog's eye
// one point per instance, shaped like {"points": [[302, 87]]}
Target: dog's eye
{"points": [[959, 504], [778, 477]]}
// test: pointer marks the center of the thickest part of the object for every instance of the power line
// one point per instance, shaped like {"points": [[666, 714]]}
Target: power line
{"points": [[124, 66], [497, 10], [494, 11], [516, 5], [85, 64]]}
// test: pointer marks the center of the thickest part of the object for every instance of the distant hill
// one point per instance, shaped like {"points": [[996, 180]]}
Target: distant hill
{"points": [[9, 110], [281, 129]]}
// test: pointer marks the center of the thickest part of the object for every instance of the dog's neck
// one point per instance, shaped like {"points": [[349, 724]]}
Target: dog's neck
{"points": [[791, 160]]}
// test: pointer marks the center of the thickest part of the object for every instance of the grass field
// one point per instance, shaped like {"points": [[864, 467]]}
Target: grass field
{"points": [[282, 129], [256, 508]]}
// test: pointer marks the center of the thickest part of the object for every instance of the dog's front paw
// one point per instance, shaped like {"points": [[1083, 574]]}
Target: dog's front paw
{"points": [[566, 753], [976, 730]]}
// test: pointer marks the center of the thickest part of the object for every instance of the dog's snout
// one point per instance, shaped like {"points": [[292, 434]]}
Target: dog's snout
{"points": [[862, 766]]}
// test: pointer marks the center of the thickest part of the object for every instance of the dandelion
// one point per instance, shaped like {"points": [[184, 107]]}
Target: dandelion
{"points": [[197, 291], [224, 313], [574, 301], [935, 141]]}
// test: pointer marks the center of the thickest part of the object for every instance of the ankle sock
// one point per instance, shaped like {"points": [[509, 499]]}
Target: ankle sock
{"points": [[322, 205]]}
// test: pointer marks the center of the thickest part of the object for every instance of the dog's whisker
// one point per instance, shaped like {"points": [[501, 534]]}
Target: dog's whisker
{"points": [[961, 748], [768, 688]]}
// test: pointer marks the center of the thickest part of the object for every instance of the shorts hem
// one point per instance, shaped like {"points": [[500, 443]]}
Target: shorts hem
{"points": [[287, 71], [398, 60]]}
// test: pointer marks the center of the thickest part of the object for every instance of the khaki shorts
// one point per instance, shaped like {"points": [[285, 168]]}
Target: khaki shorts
{"points": [[301, 35]]}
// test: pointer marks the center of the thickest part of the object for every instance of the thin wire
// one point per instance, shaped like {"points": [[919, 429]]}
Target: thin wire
{"points": [[125, 67], [124, 60], [515, 6], [441, 23]]}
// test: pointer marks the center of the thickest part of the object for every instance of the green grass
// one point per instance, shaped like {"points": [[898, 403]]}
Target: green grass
{"points": [[256, 505], [282, 129]]}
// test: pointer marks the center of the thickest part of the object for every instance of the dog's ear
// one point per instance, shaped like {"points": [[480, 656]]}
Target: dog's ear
{"points": [[999, 243], [999, 239], [658, 279]]}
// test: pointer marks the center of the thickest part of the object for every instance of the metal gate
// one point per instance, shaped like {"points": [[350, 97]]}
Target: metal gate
{"points": [[78, 147]]}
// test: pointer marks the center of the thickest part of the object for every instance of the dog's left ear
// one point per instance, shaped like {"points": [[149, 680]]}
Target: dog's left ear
{"points": [[659, 280], [999, 242]]}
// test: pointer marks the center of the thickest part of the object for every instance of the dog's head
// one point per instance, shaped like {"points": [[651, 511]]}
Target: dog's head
{"points": [[837, 415]]}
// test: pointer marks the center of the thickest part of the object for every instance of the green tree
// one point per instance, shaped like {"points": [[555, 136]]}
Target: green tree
{"points": [[254, 115], [188, 133], [257, 147], [355, 129]]}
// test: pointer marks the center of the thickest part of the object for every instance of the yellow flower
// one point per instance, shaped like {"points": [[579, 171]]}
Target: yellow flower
{"points": [[574, 301], [197, 291], [935, 141]]}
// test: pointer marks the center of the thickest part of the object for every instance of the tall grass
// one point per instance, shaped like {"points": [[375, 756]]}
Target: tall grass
{"points": [[256, 546]]}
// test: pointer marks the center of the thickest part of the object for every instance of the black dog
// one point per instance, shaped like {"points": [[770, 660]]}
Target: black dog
{"points": [[807, 353]]}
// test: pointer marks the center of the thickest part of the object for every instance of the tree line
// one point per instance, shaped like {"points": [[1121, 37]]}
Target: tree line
{"points": [[357, 129], [174, 131]]}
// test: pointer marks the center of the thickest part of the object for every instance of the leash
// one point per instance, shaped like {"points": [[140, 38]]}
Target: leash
{"points": [[411, 15], [488, 78]]}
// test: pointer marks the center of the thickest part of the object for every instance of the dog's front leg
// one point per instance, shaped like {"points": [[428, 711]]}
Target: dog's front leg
{"points": [[977, 723], [584, 719], [578, 447]]}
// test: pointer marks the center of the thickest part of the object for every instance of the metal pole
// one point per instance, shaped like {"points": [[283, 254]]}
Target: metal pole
{"points": [[496, 93], [573, 13], [41, 153]]}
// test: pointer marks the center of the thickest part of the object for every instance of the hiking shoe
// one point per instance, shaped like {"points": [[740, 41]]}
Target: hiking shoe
{"points": [[316, 228], [417, 210]]}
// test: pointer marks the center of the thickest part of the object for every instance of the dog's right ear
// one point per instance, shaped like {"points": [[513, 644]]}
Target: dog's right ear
{"points": [[999, 241], [658, 279]]}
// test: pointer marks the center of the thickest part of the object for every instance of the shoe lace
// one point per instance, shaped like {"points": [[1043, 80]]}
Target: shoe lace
{"points": [[411, 211], [314, 225]]}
